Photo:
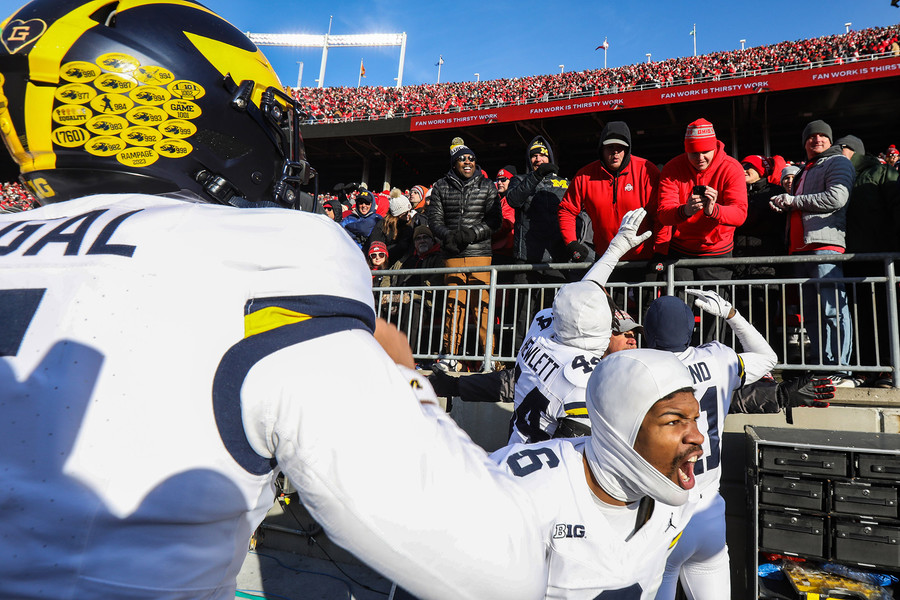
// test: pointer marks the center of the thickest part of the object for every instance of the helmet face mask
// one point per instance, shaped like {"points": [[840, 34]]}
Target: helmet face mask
{"points": [[145, 96]]}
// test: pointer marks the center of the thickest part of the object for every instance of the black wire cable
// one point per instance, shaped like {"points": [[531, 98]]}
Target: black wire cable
{"points": [[337, 566]]}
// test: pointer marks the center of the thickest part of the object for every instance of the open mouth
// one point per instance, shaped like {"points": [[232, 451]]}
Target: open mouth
{"points": [[686, 473]]}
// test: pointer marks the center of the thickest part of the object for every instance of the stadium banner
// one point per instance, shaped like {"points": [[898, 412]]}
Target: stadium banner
{"points": [[772, 82]]}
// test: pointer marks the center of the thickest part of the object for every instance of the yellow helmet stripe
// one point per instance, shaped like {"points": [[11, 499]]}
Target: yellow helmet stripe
{"points": [[241, 64]]}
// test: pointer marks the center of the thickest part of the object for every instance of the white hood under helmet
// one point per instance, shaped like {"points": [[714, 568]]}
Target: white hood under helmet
{"points": [[582, 316], [620, 392]]}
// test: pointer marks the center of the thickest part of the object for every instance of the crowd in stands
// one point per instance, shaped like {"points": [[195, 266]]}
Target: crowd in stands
{"points": [[15, 198], [337, 104]]}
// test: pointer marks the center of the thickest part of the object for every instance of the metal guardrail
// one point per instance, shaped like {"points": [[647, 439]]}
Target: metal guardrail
{"points": [[774, 305], [616, 89]]}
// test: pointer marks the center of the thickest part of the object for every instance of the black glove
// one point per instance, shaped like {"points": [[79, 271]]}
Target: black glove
{"points": [[351, 187], [546, 169], [338, 187], [807, 391], [578, 251], [450, 245], [466, 236], [444, 385]]}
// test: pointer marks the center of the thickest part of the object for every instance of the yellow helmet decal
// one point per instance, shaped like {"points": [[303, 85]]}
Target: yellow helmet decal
{"points": [[240, 64]]}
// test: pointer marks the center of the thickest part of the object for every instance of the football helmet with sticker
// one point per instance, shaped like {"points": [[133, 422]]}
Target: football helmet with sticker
{"points": [[145, 96]]}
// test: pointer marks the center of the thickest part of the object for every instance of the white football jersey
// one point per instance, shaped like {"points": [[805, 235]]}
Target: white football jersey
{"points": [[550, 383], [161, 360], [717, 371], [593, 549]]}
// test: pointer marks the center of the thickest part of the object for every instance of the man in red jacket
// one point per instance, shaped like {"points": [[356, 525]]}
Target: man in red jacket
{"points": [[703, 195], [608, 188]]}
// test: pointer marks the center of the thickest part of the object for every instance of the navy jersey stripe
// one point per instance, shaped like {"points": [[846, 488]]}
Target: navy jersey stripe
{"points": [[317, 306], [237, 362]]}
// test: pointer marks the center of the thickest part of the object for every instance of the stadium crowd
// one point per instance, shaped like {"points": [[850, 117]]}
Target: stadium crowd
{"points": [[15, 198], [338, 104]]}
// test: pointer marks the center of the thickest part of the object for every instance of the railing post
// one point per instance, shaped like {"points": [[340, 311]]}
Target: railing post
{"points": [[670, 279], [487, 365], [893, 326]]}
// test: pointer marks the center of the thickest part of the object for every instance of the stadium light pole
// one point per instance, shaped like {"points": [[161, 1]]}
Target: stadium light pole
{"points": [[648, 57], [742, 44], [847, 27], [477, 77], [299, 74], [694, 35], [562, 69]]}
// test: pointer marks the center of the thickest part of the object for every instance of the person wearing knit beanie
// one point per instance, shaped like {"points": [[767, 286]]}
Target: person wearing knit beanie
{"points": [[400, 205], [758, 163], [819, 228], [700, 137], [703, 197], [817, 127], [417, 196], [787, 176], [458, 149]]}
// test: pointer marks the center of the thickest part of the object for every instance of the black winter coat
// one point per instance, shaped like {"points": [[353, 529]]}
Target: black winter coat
{"points": [[458, 204], [536, 201]]}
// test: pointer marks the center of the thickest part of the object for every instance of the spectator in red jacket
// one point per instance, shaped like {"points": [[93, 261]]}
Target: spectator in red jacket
{"points": [[502, 240], [608, 188], [703, 195]]}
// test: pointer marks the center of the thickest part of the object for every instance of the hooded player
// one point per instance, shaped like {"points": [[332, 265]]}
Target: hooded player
{"points": [[613, 505]]}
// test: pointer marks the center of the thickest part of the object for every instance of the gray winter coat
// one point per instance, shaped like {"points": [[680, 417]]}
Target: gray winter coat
{"points": [[822, 195]]}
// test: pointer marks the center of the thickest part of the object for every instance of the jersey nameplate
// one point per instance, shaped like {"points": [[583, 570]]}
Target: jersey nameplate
{"points": [[77, 234], [539, 361]]}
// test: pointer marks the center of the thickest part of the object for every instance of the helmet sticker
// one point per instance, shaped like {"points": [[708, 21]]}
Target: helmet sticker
{"points": [[79, 71], [68, 114], [70, 137], [18, 33], [107, 125], [105, 145], [172, 148], [137, 113], [187, 89], [112, 104], [137, 157], [75, 93], [118, 62], [150, 94], [182, 109], [151, 75], [141, 136], [177, 128], [150, 116], [113, 83]]}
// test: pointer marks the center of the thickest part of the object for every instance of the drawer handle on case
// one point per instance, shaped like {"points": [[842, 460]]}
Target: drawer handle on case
{"points": [[864, 500], [885, 469], [803, 462], [868, 538]]}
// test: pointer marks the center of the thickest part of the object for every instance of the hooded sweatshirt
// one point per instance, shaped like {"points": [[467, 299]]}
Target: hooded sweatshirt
{"points": [[536, 202], [699, 234], [606, 196]]}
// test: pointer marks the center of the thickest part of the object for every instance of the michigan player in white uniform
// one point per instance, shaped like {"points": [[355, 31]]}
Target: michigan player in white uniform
{"points": [[604, 536], [162, 357], [564, 345], [701, 557]]}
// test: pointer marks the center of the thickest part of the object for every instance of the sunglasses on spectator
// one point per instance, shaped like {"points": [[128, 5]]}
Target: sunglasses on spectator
{"points": [[329, 209], [361, 201], [466, 158], [378, 255], [628, 334], [502, 179]]}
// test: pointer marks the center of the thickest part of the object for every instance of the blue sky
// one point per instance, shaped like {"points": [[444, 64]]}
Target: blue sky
{"points": [[514, 39]]}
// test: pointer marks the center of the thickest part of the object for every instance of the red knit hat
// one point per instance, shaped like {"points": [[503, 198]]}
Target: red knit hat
{"points": [[700, 137], [892, 149], [378, 246], [759, 163]]}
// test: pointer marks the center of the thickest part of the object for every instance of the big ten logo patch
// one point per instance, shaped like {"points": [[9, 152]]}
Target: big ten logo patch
{"points": [[564, 530]]}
